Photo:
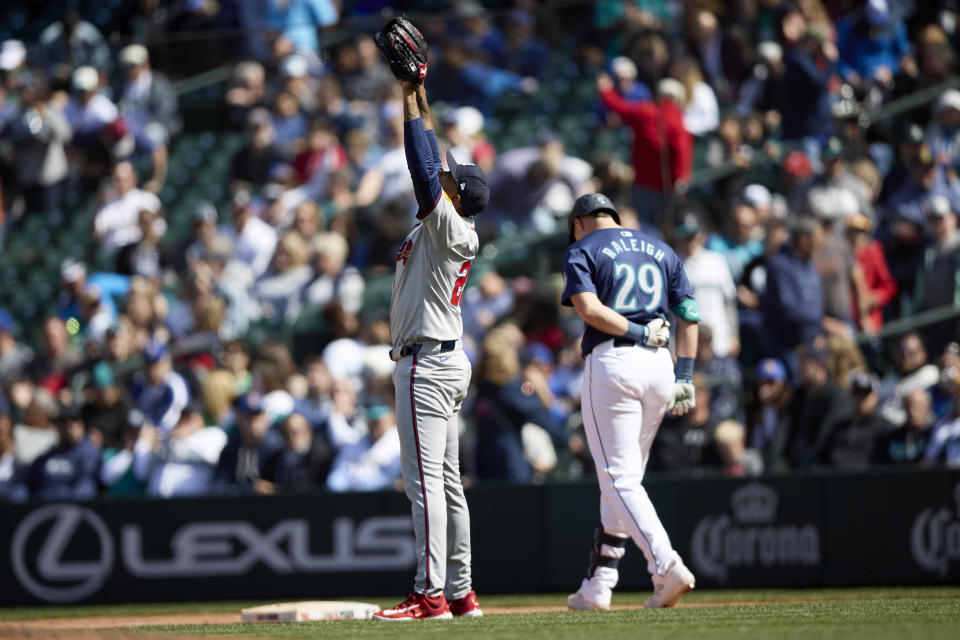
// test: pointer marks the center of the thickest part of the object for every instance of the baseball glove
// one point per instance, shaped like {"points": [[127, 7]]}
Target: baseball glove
{"points": [[403, 46]]}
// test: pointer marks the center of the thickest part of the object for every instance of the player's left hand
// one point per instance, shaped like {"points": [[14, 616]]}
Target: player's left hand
{"points": [[684, 397], [658, 333]]}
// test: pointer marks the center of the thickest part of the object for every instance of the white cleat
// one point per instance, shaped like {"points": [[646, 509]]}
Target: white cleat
{"points": [[668, 588], [578, 602]]}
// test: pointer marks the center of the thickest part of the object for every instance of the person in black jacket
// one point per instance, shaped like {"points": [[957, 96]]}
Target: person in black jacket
{"points": [[820, 408], [851, 446], [243, 460]]}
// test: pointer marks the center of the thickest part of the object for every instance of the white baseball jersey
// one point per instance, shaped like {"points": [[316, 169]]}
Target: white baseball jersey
{"points": [[432, 268]]}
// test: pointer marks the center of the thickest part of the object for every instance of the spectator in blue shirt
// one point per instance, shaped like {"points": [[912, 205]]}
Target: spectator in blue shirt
{"points": [[160, 392], [873, 45], [804, 102], [524, 53], [739, 245], [478, 34], [792, 302], [75, 280], [69, 470], [298, 20]]}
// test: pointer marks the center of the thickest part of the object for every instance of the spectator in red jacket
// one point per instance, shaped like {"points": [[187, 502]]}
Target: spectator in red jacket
{"points": [[658, 132], [877, 288]]}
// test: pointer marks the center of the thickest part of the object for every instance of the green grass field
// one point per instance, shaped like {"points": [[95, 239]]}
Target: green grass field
{"points": [[850, 614]]}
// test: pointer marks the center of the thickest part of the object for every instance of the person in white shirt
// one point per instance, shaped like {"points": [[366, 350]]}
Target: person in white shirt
{"points": [[116, 224], [88, 110], [183, 464], [254, 241], [713, 286], [373, 462]]}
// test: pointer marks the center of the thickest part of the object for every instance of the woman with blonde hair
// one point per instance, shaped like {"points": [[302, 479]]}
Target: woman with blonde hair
{"points": [[701, 112], [278, 290], [219, 392], [507, 399]]}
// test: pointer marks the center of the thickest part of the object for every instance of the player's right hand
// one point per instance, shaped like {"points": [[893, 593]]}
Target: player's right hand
{"points": [[684, 397], [658, 333]]}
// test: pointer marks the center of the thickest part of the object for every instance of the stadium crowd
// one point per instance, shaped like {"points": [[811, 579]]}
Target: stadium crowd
{"points": [[146, 379]]}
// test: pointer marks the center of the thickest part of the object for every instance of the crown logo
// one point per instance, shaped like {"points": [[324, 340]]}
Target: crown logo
{"points": [[754, 503]]}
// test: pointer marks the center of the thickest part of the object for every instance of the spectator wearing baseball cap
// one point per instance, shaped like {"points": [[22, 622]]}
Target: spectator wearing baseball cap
{"points": [[852, 445], [796, 176], [943, 133], [106, 411], [837, 189], [14, 356], [242, 463], [70, 469], [159, 391], [712, 284], [873, 46], [74, 280], [768, 421]]}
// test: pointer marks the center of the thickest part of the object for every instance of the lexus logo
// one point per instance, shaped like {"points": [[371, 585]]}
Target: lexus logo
{"points": [[57, 579]]}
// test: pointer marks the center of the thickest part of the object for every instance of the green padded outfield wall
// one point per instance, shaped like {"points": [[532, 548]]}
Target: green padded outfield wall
{"points": [[791, 531]]}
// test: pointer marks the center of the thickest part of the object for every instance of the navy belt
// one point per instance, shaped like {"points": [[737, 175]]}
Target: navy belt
{"points": [[414, 349], [617, 342]]}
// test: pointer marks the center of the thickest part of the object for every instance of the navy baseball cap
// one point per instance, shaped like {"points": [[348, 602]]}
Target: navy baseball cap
{"points": [[587, 204], [154, 351], [472, 186], [249, 403], [771, 369]]}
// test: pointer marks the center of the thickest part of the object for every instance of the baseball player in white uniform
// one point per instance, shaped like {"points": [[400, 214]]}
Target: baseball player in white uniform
{"points": [[623, 283], [432, 372]]}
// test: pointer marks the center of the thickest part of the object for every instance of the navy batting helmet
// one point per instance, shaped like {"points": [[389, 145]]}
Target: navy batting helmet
{"points": [[589, 204]]}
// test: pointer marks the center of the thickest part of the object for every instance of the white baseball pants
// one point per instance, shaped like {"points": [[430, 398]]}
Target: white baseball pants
{"points": [[624, 398], [429, 391]]}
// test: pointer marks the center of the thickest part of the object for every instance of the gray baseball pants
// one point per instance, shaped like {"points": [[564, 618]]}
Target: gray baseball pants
{"points": [[429, 391]]}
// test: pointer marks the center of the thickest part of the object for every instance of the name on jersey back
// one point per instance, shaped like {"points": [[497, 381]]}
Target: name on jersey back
{"points": [[629, 244]]}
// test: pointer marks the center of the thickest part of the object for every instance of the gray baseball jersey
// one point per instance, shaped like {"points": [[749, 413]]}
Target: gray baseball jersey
{"points": [[432, 267]]}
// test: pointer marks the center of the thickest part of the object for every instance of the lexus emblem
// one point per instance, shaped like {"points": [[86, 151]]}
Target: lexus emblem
{"points": [[55, 578]]}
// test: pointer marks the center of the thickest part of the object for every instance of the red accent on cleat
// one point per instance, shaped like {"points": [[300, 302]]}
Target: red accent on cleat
{"points": [[417, 606], [467, 606]]}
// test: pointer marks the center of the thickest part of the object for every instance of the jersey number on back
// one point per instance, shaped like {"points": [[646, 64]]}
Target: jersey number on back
{"points": [[460, 283], [646, 278]]}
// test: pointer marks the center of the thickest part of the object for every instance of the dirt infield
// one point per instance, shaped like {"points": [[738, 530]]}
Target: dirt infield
{"points": [[118, 627]]}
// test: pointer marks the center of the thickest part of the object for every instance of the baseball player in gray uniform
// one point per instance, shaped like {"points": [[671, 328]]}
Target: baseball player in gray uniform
{"points": [[624, 285], [432, 372]]}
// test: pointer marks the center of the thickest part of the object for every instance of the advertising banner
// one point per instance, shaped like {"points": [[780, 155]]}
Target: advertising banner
{"points": [[791, 531]]}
